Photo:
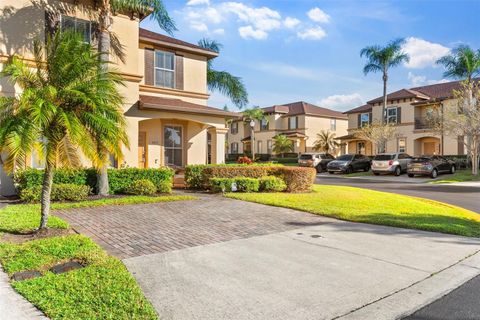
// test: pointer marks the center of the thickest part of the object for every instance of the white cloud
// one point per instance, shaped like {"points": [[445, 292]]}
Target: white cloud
{"points": [[423, 53], [418, 80], [219, 31], [314, 33], [198, 2], [260, 18], [283, 69], [318, 15], [248, 32], [290, 22], [342, 102], [199, 26]]}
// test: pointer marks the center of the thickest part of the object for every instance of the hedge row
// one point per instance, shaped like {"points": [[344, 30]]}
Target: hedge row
{"points": [[119, 179], [60, 192], [242, 184]]}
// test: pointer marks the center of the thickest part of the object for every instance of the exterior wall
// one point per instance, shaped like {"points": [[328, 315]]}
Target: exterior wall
{"points": [[315, 124]]}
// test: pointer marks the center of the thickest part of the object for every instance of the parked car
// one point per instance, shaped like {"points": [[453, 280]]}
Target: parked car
{"points": [[318, 161], [430, 166], [389, 163], [349, 163]]}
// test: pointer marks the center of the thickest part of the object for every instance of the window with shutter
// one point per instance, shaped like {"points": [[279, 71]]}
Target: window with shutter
{"points": [[164, 69]]}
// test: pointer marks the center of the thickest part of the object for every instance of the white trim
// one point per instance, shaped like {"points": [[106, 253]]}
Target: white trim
{"points": [[174, 71]]}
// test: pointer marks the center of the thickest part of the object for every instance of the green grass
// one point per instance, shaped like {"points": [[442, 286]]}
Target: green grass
{"points": [[375, 207], [459, 176], [26, 217], [104, 289]]}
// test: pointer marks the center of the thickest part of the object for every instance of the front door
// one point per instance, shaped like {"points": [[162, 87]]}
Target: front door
{"points": [[142, 150], [429, 148], [173, 144]]}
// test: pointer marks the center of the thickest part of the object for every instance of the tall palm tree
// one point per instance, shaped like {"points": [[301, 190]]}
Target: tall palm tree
{"points": [[462, 63], [282, 145], [67, 103], [256, 115], [381, 59], [222, 81], [325, 142]]}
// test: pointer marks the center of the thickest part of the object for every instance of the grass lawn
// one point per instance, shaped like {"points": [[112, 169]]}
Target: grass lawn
{"points": [[459, 176], [375, 207]]}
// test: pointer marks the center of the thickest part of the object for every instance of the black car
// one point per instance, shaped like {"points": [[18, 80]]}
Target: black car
{"points": [[430, 166], [349, 163], [317, 160]]}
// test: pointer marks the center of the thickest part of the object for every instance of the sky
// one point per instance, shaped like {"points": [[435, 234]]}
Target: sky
{"points": [[308, 50]]}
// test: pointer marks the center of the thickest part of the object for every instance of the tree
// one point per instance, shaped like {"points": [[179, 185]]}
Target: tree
{"points": [[282, 145], [381, 59], [222, 81], [67, 104], [257, 116], [377, 133], [325, 142], [462, 63]]}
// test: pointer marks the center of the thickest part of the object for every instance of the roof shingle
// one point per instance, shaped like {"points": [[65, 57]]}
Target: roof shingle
{"points": [[301, 107]]}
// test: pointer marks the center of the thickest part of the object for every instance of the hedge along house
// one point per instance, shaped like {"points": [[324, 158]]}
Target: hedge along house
{"points": [[169, 122]]}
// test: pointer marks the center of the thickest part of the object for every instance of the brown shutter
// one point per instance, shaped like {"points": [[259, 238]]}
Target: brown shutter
{"points": [[370, 117], [179, 72], [149, 66], [399, 115], [359, 119], [461, 145]]}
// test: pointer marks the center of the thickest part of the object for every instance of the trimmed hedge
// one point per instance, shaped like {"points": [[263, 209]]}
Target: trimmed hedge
{"points": [[60, 192], [242, 184], [285, 160], [120, 179], [141, 187], [272, 184], [29, 178]]}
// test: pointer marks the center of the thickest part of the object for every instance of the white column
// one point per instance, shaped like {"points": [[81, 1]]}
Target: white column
{"points": [[218, 144]]}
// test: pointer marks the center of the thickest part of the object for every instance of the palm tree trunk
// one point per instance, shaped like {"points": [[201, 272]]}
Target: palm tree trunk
{"points": [[384, 119], [46, 192]]}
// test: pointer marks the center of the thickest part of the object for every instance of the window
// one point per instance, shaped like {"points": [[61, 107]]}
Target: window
{"points": [[164, 69], [234, 147], [361, 147], [259, 146], [293, 123], [333, 124], [173, 144], [83, 27], [392, 115], [364, 119], [269, 146], [402, 145], [234, 128], [263, 124]]}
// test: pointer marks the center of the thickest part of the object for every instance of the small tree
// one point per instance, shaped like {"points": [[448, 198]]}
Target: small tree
{"points": [[282, 145], [325, 142], [377, 133]]}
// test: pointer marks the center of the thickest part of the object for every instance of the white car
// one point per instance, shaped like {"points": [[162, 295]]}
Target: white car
{"points": [[389, 163]]}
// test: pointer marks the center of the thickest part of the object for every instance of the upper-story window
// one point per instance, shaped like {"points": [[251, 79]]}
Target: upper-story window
{"points": [[293, 123], [364, 119], [333, 124], [392, 115], [164, 69], [83, 27], [264, 124], [234, 128]]}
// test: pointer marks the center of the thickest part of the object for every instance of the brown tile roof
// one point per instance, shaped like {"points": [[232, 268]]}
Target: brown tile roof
{"points": [[441, 90], [401, 94], [177, 105], [301, 107], [364, 108], [147, 35]]}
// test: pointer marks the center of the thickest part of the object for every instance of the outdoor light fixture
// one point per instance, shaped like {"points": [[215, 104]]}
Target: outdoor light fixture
{"points": [[252, 124]]}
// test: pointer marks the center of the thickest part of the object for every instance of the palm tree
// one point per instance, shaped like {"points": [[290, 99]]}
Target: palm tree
{"points": [[68, 103], [381, 59], [256, 115], [462, 63], [282, 145], [222, 81], [325, 141]]}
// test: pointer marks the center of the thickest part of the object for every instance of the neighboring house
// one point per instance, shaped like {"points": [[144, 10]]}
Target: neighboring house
{"points": [[169, 122], [299, 121], [408, 110]]}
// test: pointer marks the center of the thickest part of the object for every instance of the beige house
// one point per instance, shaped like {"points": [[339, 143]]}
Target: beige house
{"points": [[408, 110], [299, 121], [169, 122]]}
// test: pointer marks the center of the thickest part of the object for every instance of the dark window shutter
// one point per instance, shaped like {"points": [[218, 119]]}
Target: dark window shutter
{"points": [[149, 66], [179, 72], [296, 122], [370, 117], [359, 120], [461, 145], [52, 22], [399, 115]]}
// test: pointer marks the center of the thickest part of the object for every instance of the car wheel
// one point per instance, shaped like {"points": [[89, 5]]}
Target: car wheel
{"points": [[319, 169], [452, 170], [376, 173], [366, 169], [349, 170], [398, 171], [331, 172], [434, 174], [411, 175]]}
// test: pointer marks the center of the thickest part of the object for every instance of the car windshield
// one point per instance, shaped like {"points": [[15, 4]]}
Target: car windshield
{"points": [[306, 157], [383, 157], [421, 159], [345, 157]]}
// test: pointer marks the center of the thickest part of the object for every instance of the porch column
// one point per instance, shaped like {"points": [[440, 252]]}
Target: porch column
{"points": [[218, 144]]}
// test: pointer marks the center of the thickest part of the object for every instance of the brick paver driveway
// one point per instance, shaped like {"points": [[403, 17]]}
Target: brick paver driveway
{"points": [[135, 230]]}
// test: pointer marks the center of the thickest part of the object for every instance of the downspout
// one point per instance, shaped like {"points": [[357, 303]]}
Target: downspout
{"points": [[442, 136]]}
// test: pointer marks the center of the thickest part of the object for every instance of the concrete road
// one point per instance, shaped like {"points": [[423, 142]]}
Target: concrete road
{"points": [[463, 196], [333, 270]]}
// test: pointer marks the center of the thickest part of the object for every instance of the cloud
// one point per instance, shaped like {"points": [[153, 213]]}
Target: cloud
{"points": [[198, 2], [291, 23], [263, 18], [314, 33], [418, 80], [249, 33], [284, 69], [318, 15], [342, 102], [423, 53], [219, 31], [199, 26]]}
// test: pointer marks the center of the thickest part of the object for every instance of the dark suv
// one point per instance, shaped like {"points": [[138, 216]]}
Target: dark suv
{"points": [[430, 166], [349, 163], [317, 160]]}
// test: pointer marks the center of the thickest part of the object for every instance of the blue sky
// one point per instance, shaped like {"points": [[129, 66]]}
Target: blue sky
{"points": [[291, 50]]}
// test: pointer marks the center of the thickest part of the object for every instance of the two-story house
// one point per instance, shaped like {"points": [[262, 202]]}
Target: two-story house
{"points": [[169, 122], [408, 110], [299, 121]]}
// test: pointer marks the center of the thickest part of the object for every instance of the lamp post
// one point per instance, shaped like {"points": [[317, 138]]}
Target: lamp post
{"points": [[252, 126]]}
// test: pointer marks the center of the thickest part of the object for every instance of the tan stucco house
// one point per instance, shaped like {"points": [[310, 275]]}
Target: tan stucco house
{"points": [[407, 109], [299, 121], [169, 122]]}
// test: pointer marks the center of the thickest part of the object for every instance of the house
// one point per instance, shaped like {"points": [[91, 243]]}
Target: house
{"points": [[408, 110], [299, 121], [169, 122]]}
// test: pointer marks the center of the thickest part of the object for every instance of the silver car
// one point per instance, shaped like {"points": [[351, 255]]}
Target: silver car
{"points": [[389, 163]]}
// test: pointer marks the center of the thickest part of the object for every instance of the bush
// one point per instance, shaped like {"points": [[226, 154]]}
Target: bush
{"points": [[242, 184], [165, 186], [121, 179], [34, 177], [60, 192], [272, 184], [31, 194], [284, 160], [247, 184], [244, 160], [221, 184], [141, 187], [298, 179]]}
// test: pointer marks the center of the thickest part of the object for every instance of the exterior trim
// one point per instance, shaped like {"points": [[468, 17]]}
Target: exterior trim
{"points": [[182, 48], [175, 92]]}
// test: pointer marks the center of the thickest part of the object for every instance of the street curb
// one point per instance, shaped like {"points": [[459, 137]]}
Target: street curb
{"points": [[405, 302]]}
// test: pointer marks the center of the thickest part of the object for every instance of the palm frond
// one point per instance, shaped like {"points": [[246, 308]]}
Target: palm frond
{"points": [[228, 85]]}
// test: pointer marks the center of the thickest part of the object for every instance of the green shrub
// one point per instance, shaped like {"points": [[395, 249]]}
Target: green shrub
{"points": [[29, 178], [247, 184], [242, 184], [194, 176], [141, 187], [272, 184], [298, 179], [60, 192], [31, 194], [121, 179], [221, 184], [284, 160], [165, 187]]}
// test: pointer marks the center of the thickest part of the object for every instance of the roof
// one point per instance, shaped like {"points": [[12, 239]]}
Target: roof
{"points": [[401, 94], [348, 137], [301, 107], [157, 38], [177, 105], [364, 108]]}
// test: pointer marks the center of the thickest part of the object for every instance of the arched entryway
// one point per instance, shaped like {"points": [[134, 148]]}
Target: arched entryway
{"points": [[427, 146]]}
